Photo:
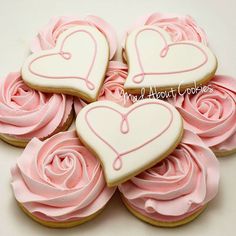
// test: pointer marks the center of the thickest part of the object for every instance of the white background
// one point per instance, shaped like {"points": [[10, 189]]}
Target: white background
{"points": [[19, 22]]}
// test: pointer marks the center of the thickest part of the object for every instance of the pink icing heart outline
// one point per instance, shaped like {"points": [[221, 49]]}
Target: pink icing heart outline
{"points": [[67, 56], [163, 53], [124, 128]]}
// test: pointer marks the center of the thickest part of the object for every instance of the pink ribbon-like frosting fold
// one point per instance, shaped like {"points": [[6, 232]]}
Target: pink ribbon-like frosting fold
{"points": [[211, 115], [113, 87], [26, 113], [48, 35], [59, 179], [177, 186]]}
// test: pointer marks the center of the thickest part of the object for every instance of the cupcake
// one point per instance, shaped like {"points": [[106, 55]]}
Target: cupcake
{"points": [[58, 182], [113, 87], [211, 114], [26, 113], [176, 190]]}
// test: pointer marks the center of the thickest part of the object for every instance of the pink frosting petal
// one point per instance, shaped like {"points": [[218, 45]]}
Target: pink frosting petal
{"points": [[61, 180]]}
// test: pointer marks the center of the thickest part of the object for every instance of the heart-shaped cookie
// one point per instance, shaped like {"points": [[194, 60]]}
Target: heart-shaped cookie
{"points": [[75, 66], [157, 62], [129, 140]]}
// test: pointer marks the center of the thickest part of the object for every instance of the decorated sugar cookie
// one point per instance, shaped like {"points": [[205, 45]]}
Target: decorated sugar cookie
{"points": [[155, 61], [58, 182], [26, 113], [76, 65], [177, 189], [129, 140]]}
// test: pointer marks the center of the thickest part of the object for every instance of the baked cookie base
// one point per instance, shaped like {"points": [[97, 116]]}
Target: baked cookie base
{"points": [[23, 142], [224, 153], [65, 224], [162, 223]]}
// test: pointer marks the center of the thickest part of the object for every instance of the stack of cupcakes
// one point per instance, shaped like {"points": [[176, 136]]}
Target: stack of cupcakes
{"points": [[159, 153]]}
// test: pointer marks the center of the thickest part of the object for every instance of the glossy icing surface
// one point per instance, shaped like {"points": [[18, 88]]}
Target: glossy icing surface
{"points": [[125, 134], [156, 61]]}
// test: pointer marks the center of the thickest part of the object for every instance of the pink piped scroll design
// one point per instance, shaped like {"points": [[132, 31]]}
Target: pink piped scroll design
{"points": [[136, 78], [124, 128], [68, 56]]}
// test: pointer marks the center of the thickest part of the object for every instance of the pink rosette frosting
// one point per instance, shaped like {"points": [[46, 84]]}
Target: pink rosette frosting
{"points": [[48, 35], [178, 186], [212, 115], [179, 27], [59, 180], [78, 104], [113, 87], [26, 113]]}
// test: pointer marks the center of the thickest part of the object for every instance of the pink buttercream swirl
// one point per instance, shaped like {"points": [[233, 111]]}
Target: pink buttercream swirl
{"points": [[212, 115], [113, 87], [179, 27], [47, 36], [59, 179], [178, 186], [26, 113]]}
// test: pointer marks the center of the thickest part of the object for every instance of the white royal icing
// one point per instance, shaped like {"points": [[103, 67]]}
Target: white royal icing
{"points": [[156, 61], [76, 65], [129, 140]]}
